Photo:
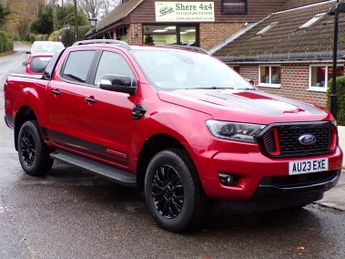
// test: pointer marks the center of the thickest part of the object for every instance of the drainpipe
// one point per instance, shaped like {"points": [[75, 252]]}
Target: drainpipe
{"points": [[334, 108]]}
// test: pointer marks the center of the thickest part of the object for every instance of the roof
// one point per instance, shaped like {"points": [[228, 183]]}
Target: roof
{"points": [[285, 40], [290, 4], [120, 12]]}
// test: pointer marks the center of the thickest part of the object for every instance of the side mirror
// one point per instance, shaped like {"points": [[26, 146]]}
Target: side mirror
{"points": [[46, 75], [119, 83], [28, 52], [25, 63], [250, 81]]}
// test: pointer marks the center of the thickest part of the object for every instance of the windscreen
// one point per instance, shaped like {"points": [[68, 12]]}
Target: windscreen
{"points": [[170, 70], [39, 64]]}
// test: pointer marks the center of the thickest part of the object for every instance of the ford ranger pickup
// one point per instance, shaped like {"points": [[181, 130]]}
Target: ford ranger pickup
{"points": [[174, 122]]}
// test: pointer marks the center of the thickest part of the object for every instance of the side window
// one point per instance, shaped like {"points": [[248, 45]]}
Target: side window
{"points": [[112, 64], [78, 65]]}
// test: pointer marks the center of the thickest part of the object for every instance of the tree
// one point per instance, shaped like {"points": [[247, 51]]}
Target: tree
{"points": [[44, 22], [66, 15], [22, 12], [3, 13]]}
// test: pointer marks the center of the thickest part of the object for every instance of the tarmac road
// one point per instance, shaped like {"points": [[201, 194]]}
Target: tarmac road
{"points": [[71, 214]]}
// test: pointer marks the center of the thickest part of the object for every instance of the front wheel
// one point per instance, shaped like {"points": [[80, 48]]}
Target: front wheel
{"points": [[172, 191], [32, 151]]}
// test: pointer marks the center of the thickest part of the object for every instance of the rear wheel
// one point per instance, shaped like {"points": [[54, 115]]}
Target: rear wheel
{"points": [[172, 191], [32, 151]]}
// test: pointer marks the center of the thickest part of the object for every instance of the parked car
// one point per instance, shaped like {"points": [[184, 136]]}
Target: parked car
{"points": [[37, 62], [46, 47], [178, 124]]}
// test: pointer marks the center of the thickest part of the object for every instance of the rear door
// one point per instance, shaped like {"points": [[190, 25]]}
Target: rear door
{"points": [[66, 98], [107, 116]]}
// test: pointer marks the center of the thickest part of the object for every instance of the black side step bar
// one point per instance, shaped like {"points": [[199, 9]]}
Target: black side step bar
{"points": [[117, 175]]}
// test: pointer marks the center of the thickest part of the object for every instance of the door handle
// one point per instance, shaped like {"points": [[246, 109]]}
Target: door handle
{"points": [[90, 99], [56, 92]]}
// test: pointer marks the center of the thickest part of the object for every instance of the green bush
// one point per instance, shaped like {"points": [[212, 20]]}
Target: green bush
{"points": [[340, 99], [6, 42], [68, 37], [56, 35]]}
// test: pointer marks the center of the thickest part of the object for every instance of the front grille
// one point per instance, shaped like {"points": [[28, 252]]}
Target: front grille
{"points": [[299, 180], [286, 142], [270, 144]]}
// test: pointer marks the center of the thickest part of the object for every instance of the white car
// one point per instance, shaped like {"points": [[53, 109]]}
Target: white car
{"points": [[46, 47]]}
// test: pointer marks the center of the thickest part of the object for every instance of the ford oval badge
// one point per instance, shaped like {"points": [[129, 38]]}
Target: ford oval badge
{"points": [[307, 139]]}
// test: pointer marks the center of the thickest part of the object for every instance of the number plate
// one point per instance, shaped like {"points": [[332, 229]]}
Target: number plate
{"points": [[308, 166]]}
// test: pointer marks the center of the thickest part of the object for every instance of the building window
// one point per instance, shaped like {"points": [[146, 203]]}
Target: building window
{"points": [[234, 7], [270, 76], [122, 33], [320, 74], [161, 35]]}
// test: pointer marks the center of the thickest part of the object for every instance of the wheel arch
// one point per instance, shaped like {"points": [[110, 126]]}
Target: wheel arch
{"points": [[152, 146], [25, 113]]}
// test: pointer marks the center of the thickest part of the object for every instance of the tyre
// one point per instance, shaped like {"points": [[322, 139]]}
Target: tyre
{"points": [[32, 151], [173, 193]]}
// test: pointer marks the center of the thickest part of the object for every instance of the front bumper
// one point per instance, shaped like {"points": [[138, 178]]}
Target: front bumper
{"points": [[253, 169]]}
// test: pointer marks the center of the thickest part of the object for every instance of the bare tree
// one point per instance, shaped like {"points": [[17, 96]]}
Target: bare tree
{"points": [[109, 5], [97, 8]]}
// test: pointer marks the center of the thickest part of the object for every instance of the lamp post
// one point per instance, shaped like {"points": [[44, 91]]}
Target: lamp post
{"points": [[93, 23], [339, 8], [67, 28]]}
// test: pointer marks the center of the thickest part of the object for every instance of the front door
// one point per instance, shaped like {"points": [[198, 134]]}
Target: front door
{"points": [[107, 115]]}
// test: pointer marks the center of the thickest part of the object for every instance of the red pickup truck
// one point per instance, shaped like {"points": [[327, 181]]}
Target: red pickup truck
{"points": [[176, 123]]}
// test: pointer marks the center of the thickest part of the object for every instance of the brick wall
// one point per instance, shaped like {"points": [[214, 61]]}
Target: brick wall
{"points": [[212, 34], [135, 34], [250, 72], [294, 83]]}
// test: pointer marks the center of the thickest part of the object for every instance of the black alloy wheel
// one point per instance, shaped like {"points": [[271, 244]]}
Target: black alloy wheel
{"points": [[28, 148], [173, 193], [167, 191]]}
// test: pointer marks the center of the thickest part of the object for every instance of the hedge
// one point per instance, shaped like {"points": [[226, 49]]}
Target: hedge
{"points": [[340, 99], [6, 42]]}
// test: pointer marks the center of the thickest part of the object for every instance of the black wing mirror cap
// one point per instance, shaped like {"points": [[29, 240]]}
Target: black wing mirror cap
{"points": [[119, 83], [46, 75], [28, 52]]}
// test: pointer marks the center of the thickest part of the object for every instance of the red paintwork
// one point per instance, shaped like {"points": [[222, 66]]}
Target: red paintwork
{"points": [[180, 114], [31, 58]]}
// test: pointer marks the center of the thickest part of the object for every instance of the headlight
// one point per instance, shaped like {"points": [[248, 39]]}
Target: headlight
{"points": [[234, 131]]}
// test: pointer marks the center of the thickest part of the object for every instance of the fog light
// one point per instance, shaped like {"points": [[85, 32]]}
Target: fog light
{"points": [[227, 179]]}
